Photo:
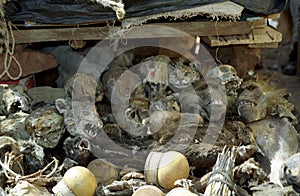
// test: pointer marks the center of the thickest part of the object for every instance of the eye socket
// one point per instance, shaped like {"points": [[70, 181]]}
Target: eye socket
{"points": [[251, 88]]}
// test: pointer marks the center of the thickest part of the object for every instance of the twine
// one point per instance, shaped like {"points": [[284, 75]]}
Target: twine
{"points": [[9, 54], [217, 50], [9, 51]]}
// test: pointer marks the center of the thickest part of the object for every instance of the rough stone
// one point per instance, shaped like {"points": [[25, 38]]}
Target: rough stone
{"points": [[46, 94]]}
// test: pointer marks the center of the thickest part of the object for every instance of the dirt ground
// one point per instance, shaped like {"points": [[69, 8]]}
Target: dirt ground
{"points": [[279, 56], [291, 83]]}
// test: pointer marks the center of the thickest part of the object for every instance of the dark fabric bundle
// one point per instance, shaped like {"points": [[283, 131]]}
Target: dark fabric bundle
{"points": [[74, 12]]}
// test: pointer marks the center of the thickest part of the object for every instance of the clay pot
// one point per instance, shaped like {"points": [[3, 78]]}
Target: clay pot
{"points": [[148, 190], [163, 169], [77, 181], [180, 192]]}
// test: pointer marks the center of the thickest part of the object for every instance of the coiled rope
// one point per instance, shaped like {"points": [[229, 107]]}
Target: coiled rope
{"points": [[6, 33]]}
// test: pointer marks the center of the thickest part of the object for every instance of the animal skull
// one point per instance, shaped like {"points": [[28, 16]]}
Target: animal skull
{"points": [[252, 102], [228, 77]]}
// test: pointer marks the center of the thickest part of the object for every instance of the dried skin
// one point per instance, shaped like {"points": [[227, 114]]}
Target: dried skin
{"points": [[14, 126], [46, 126], [64, 107], [76, 150], [13, 99], [26, 189], [277, 141], [249, 172], [109, 79], [290, 172]]}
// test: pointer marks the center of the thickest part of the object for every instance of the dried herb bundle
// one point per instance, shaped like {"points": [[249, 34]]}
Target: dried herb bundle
{"points": [[221, 181]]}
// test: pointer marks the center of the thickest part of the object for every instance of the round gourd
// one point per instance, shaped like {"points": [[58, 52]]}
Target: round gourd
{"points": [[78, 181], [180, 192], [164, 169], [148, 190]]}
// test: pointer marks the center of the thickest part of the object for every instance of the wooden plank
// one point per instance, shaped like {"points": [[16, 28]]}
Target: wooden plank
{"points": [[258, 36], [264, 45], [210, 28], [99, 33], [60, 34]]}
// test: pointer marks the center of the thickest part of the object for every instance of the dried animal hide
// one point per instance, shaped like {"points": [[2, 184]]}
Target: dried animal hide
{"points": [[277, 139], [290, 172], [249, 172]]}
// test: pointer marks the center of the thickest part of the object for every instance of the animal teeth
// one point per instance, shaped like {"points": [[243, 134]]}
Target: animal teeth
{"points": [[248, 104], [217, 102]]}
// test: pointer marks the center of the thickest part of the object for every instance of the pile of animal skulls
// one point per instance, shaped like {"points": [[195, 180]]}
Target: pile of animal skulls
{"points": [[164, 95]]}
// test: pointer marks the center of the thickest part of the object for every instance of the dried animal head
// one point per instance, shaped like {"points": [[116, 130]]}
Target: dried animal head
{"points": [[86, 86], [249, 172], [155, 69], [228, 77], [259, 98], [163, 124], [33, 155], [64, 107], [14, 126], [212, 99], [183, 75], [252, 102], [125, 59], [46, 126], [9, 144], [13, 99], [110, 77], [77, 150], [168, 103]]}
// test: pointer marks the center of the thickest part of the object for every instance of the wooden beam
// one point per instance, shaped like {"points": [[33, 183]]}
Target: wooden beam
{"points": [[99, 33], [60, 34], [264, 45], [257, 36], [212, 28]]}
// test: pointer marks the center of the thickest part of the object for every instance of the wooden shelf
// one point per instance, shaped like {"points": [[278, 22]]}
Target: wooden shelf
{"points": [[258, 37], [206, 28]]}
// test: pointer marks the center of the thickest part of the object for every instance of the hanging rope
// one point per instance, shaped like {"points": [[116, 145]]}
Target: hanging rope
{"points": [[9, 55], [2, 27], [6, 33], [217, 50]]}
